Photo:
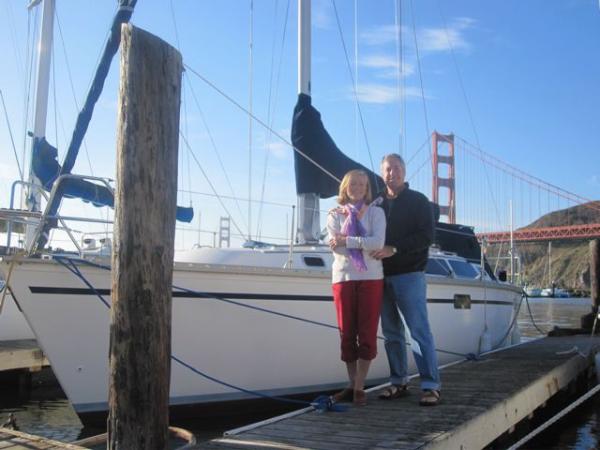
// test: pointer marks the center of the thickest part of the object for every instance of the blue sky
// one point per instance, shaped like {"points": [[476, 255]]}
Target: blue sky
{"points": [[530, 71]]}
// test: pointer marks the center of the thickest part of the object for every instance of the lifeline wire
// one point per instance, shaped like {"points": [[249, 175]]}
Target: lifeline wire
{"points": [[231, 100], [321, 403], [233, 302]]}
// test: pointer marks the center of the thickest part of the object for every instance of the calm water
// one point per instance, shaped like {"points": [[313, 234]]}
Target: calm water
{"points": [[581, 429], [43, 410]]}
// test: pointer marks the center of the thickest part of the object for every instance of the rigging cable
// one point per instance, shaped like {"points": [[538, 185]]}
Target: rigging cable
{"points": [[400, 77], [414, 28], [209, 182], [54, 106], [72, 85], [261, 122], [11, 136], [13, 37], [468, 105], [184, 95], [31, 34], [271, 105], [250, 122], [214, 146], [355, 89]]}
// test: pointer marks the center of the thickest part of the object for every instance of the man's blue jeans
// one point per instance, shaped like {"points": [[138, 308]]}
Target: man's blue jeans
{"points": [[408, 293]]}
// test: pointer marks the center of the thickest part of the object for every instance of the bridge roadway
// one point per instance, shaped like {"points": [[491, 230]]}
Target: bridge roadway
{"points": [[573, 232]]}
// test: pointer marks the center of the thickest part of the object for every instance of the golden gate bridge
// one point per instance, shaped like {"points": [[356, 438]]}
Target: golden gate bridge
{"points": [[476, 188]]}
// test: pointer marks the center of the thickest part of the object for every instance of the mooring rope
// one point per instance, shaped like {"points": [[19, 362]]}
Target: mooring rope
{"points": [[531, 315], [321, 403], [6, 287]]}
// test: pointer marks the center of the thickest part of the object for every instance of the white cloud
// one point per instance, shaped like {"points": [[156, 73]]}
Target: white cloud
{"points": [[383, 94], [386, 66], [429, 39], [385, 34], [273, 144], [279, 149], [439, 39], [379, 62]]}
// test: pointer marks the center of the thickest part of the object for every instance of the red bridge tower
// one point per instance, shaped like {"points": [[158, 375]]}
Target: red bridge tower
{"points": [[449, 209]]}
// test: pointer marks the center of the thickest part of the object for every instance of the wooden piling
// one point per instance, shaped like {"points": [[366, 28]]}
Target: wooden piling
{"points": [[587, 320], [595, 273], [144, 231]]}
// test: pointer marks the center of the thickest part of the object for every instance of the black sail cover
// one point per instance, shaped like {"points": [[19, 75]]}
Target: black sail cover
{"points": [[312, 139]]}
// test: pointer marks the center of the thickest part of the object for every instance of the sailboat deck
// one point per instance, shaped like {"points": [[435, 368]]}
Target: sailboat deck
{"points": [[481, 400]]}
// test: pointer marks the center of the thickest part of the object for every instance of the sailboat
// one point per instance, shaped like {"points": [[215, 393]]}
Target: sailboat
{"points": [[252, 320]]}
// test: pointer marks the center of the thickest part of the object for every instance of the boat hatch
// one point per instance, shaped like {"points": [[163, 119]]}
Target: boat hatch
{"points": [[313, 261]]}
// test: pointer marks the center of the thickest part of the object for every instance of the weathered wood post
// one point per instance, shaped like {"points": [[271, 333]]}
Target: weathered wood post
{"points": [[587, 321], [595, 273], [142, 261]]}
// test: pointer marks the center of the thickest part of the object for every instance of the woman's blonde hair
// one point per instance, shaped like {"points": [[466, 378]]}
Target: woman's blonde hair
{"points": [[343, 193]]}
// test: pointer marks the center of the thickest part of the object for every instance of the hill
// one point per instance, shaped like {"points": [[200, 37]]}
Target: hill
{"points": [[567, 263]]}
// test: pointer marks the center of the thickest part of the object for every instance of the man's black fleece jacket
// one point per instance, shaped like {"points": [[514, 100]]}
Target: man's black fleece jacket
{"points": [[410, 228]]}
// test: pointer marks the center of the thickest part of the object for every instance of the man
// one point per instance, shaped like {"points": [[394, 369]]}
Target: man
{"points": [[409, 234]]}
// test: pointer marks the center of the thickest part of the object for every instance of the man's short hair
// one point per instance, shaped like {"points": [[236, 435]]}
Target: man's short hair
{"points": [[395, 156]]}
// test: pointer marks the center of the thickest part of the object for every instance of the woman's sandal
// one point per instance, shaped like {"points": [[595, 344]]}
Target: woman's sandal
{"points": [[393, 392], [360, 398], [345, 395], [430, 397]]}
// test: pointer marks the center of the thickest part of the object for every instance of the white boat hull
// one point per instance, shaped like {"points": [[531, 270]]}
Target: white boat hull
{"points": [[13, 325], [241, 346]]}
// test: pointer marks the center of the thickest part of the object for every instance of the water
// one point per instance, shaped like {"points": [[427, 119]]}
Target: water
{"points": [[44, 410], [581, 429]]}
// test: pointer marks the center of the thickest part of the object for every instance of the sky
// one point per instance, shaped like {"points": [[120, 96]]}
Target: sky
{"points": [[518, 78]]}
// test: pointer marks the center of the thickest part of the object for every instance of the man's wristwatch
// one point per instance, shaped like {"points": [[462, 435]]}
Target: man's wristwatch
{"points": [[394, 250]]}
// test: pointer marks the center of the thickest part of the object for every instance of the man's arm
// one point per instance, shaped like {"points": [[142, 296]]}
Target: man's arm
{"points": [[423, 237]]}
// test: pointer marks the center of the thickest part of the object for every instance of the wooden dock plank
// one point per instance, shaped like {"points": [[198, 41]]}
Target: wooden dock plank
{"points": [[480, 400], [11, 439], [21, 354]]}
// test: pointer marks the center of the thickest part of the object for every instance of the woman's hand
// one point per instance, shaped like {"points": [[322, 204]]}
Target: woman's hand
{"points": [[337, 241]]}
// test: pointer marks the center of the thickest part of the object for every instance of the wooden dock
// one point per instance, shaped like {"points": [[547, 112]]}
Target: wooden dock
{"points": [[13, 440], [481, 401], [21, 355]]}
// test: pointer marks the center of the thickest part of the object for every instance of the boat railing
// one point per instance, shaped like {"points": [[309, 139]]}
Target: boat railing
{"points": [[56, 196], [20, 216], [38, 220]]}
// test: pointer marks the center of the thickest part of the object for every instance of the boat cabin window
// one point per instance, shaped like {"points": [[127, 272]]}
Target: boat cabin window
{"points": [[463, 269], [477, 267], [437, 267], [314, 261]]}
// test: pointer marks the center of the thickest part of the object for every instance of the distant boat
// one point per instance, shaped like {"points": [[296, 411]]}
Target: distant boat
{"points": [[555, 293], [533, 292]]}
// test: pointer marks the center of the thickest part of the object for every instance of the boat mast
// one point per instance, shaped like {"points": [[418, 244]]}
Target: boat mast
{"points": [[308, 203], [33, 199], [512, 245]]}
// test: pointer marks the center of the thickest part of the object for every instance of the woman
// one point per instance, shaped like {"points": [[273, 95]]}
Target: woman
{"points": [[356, 228]]}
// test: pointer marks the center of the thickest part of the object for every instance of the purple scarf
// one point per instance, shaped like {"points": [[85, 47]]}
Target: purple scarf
{"points": [[353, 227]]}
